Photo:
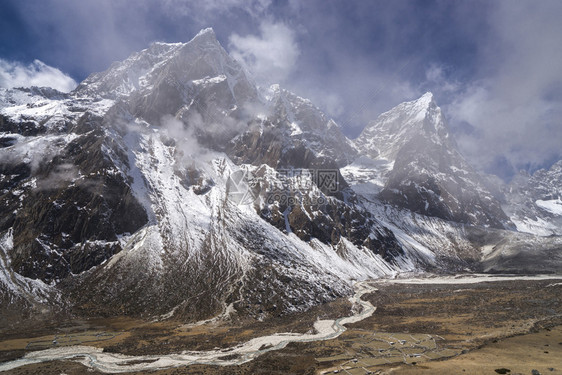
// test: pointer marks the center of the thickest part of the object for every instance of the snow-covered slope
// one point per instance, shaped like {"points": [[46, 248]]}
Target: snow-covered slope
{"points": [[410, 175], [118, 194], [416, 165], [171, 186], [534, 202], [305, 123], [392, 130]]}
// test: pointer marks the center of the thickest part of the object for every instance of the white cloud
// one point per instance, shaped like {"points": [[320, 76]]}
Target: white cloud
{"points": [[438, 83], [527, 133], [189, 149], [270, 56], [210, 8], [516, 108], [15, 74], [333, 104]]}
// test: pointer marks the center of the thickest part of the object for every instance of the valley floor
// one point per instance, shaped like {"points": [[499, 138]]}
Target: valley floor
{"points": [[439, 326]]}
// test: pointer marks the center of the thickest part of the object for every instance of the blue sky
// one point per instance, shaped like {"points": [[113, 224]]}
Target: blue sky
{"points": [[495, 67]]}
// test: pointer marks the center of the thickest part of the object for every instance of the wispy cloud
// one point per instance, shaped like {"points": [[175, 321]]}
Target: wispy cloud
{"points": [[515, 108], [437, 80], [210, 8], [270, 56], [16, 74], [495, 67]]}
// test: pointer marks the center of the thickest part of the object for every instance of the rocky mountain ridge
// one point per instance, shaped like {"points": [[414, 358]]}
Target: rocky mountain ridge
{"points": [[171, 186]]}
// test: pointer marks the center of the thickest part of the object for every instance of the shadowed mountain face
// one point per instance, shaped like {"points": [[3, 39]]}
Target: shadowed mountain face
{"points": [[170, 185], [429, 176], [534, 203], [118, 194]]}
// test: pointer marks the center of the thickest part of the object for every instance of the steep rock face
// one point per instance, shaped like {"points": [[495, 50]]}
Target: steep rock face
{"points": [[300, 202], [68, 207], [428, 174], [534, 203], [392, 130], [171, 186], [196, 82], [121, 195], [307, 125], [289, 131]]}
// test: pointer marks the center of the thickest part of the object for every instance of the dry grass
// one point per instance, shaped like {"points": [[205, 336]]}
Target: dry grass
{"points": [[477, 328]]}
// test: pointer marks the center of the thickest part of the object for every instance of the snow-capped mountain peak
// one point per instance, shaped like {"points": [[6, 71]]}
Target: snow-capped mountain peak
{"points": [[172, 64], [421, 106], [426, 98], [137, 169], [420, 168], [206, 33], [385, 136]]}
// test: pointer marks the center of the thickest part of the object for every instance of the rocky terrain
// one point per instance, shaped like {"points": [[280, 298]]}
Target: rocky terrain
{"points": [[172, 187], [435, 325], [534, 202]]}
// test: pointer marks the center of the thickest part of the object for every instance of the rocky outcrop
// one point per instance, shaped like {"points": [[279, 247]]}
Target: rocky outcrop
{"points": [[428, 176]]}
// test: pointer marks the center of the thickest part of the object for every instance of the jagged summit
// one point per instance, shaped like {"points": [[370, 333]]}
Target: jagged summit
{"points": [[419, 167], [306, 124], [206, 33], [421, 106], [424, 104], [178, 64], [204, 36], [385, 136], [135, 170], [427, 97], [417, 106]]}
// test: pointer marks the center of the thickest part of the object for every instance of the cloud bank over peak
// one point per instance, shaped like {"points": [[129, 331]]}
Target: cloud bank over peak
{"points": [[495, 68], [513, 111], [270, 56], [16, 74]]}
